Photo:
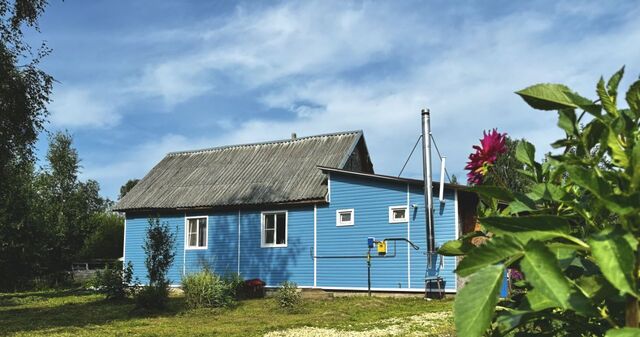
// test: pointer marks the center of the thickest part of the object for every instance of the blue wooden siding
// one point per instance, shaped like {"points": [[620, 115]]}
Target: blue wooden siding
{"points": [[370, 199], [444, 216], [136, 233], [221, 254], [275, 265]]}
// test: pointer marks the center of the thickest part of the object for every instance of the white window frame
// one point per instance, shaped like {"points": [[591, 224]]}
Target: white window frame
{"points": [[406, 212], [286, 230], [339, 222], [186, 233]]}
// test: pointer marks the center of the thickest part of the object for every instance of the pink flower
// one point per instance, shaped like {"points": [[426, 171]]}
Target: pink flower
{"points": [[491, 145]]}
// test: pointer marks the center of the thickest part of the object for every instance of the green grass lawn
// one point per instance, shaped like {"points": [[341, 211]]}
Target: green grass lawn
{"points": [[65, 313]]}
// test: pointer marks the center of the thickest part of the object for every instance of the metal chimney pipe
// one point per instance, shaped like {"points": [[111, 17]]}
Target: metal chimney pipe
{"points": [[428, 182]]}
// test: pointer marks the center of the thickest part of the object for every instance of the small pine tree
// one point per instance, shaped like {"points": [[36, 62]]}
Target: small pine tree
{"points": [[158, 248]]}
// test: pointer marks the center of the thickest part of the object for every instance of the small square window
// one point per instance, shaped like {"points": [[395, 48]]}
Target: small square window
{"points": [[344, 217], [196, 232], [274, 229], [398, 214]]}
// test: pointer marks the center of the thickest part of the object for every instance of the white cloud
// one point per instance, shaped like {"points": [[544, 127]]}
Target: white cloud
{"points": [[373, 66], [468, 80], [258, 48], [76, 107]]}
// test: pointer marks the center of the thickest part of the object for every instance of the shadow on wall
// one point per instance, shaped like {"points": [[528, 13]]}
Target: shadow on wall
{"points": [[272, 265], [275, 265]]}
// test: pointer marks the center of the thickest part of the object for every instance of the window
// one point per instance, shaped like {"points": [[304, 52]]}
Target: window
{"points": [[274, 229], [398, 214], [196, 233], [344, 217]]}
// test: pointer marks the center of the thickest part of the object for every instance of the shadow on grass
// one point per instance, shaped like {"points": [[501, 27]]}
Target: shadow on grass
{"points": [[46, 294], [77, 314]]}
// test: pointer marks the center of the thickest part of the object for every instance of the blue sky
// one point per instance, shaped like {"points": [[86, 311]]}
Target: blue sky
{"points": [[138, 79]]}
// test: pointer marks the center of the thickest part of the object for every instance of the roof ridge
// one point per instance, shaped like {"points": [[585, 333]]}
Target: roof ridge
{"points": [[225, 147]]}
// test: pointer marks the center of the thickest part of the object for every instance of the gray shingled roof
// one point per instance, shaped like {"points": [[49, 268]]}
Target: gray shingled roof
{"points": [[262, 173]]}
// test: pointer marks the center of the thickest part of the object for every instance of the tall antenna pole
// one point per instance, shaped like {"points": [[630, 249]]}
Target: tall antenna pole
{"points": [[428, 182]]}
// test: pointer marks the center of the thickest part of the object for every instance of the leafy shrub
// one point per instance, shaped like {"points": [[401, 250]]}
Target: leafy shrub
{"points": [[158, 248], [288, 296], [114, 281], [152, 297], [205, 289], [236, 282], [573, 233]]}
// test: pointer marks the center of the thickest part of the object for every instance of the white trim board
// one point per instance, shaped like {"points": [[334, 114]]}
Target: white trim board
{"points": [[239, 217], [394, 290], [124, 244], [315, 244]]}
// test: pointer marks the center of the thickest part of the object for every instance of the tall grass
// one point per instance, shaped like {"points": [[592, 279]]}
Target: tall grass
{"points": [[205, 289]]}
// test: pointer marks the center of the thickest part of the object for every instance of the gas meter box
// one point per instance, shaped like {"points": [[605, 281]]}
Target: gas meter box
{"points": [[382, 248], [370, 241]]}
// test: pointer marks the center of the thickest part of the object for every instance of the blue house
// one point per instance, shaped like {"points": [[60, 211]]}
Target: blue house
{"points": [[300, 209]]}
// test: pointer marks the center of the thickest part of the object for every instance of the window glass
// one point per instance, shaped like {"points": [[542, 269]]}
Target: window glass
{"points": [[281, 237], [193, 232], [202, 233], [268, 221], [399, 214], [345, 217]]}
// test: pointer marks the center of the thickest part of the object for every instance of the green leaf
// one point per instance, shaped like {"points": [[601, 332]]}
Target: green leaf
{"points": [[631, 240], [616, 259], [455, 248], [633, 97], [614, 81], [541, 269], [592, 133], [475, 303], [564, 253], [491, 252], [618, 153], [624, 332], [525, 153], [596, 286], [546, 191], [521, 203], [567, 121], [635, 166], [461, 246], [540, 227], [548, 96], [494, 192], [536, 301], [601, 189], [608, 103]]}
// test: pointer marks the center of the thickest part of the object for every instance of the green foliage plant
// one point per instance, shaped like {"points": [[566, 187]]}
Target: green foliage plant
{"points": [[205, 289], [160, 253], [115, 281], [289, 297], [572, 232]]}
